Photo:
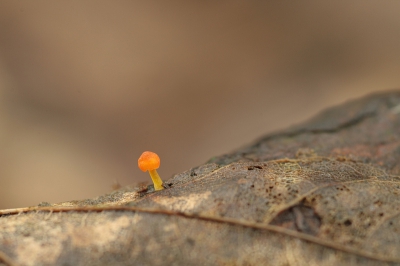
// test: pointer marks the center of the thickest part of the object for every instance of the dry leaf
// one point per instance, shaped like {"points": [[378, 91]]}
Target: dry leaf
{"points": [[324, 193]]}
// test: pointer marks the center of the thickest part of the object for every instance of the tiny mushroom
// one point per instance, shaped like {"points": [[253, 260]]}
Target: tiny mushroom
{"points": [[149, 161]]}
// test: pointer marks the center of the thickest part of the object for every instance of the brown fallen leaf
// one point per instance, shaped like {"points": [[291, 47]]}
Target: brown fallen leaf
{"points": [[323, 193]]}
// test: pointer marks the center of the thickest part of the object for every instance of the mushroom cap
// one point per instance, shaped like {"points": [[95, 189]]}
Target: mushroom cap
{"points": [[148, 161]]}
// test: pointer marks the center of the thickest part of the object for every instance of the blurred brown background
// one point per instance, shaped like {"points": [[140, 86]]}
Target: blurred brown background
{"points": [[87, 86]]}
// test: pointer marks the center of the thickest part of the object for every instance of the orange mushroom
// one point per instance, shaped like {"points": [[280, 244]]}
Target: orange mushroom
{"points": [[149, 161]]}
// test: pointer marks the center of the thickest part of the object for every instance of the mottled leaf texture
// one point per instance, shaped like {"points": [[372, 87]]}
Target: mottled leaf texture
{"points": [[323, 193]]}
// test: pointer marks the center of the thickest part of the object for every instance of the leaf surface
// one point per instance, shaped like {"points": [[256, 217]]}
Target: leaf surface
{"points": [[323, 193]]}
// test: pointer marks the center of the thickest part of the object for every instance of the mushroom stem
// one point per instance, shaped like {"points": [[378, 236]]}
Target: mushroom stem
{"points": [[156, 180]]}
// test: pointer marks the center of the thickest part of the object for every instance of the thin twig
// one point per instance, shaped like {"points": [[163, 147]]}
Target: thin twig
{"points": [[6, 259]]}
